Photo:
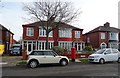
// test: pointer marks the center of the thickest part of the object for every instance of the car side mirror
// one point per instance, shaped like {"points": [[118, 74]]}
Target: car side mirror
{"points": [[105, 53], [54, 55]]}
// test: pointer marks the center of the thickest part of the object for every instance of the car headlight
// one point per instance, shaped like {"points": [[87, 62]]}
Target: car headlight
{"points": [[96, 56]]}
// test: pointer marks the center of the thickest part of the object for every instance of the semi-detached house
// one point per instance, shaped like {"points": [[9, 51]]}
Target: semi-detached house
{"points": [[66, 36], [103, 37]]}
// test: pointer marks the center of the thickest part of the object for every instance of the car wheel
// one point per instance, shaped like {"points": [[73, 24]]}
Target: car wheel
{"points": [[63, 62], [118, 60], [33, 64], [102, 61]]}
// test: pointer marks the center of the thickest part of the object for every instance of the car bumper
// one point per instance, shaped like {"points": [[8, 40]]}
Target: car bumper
{"points": [[94, 60]]}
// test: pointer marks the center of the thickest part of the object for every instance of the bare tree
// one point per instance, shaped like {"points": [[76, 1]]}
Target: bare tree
{"points": [[53, 13]]}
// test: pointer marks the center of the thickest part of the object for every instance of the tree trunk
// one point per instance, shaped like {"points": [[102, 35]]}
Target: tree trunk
{"points": [[47, 39]]}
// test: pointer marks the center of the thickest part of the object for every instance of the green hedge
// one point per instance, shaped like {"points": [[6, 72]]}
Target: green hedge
{"points": [[58, 49], [88, 48]]}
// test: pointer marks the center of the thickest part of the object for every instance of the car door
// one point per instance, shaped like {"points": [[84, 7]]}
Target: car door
{"points": [[108, 55], [50, 57], [115, 54], [40, 56]]}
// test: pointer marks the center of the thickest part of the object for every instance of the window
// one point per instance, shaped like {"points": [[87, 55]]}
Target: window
{"points": [[77, 34], [30, 31], [49, 53], [88, 39], [65, 33], [114, 51], [108, 52], [102, 35], [37, 53], [113, 36], [42, 32], [66, 45]]}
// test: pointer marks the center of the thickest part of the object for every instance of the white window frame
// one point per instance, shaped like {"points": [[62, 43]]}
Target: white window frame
{"points": [[30, 32], [65, 33], [102, 35], [116, 36], [42, 33], [77, 34]]}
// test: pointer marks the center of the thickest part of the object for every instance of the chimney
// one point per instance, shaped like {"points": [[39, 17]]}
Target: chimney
{"points": [[107, 24]]}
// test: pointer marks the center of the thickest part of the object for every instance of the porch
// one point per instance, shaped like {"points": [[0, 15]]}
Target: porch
{"points": [[30, 45]]}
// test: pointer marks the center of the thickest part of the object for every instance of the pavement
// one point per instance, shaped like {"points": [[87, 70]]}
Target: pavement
{"points": [[10, 60], [13, 60]]}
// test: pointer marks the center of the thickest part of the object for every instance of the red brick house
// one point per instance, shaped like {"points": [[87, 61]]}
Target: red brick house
{"points": [[103, 37], [6, 38], [66, 36]]}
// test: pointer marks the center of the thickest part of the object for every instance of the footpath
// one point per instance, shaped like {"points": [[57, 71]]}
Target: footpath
{"points": [[9, 60]]}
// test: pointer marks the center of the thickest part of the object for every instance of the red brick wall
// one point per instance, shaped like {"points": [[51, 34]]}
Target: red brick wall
{"points": [[94, 39]]}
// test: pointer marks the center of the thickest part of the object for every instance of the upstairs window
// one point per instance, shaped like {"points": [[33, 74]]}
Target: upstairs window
{"points": [[65, 33], [113, 36], [77, 34], [88, 39], [42, 33], [102, 35], [30, 31]]}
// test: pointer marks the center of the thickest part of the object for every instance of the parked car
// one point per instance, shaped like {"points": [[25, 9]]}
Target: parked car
{"points": [[36, 58], [16, 49], [105, 55]]}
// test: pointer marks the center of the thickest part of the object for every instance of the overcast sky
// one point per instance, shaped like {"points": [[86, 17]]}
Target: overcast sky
{"points": [[94, 13]]}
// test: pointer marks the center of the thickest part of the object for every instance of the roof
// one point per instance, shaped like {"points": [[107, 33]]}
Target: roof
{"points": [[5, 29], [104, 29], [44, 22]]}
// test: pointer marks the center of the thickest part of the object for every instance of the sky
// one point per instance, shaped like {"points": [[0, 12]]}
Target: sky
{"points": [[94, 13]]}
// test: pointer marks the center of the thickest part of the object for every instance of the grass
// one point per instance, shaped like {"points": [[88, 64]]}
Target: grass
{"points": [[84, 60], [22, 63]]}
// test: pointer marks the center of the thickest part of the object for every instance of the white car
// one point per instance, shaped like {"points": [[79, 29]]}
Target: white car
{"points": [[105, 55], [36, 58]]}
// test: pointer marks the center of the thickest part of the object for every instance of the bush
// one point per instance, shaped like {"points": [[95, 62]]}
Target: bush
{"points": [[88, 48], [58, 49]]}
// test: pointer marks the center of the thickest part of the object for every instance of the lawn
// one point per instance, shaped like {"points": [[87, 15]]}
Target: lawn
{"points": [[84, 60], [22, 63]]}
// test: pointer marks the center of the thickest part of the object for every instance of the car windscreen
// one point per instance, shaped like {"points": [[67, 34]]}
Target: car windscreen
{"points": [[99, 51]]}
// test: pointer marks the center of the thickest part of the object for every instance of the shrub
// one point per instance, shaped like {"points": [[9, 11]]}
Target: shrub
{"points": [[58, 49], [88, 48]]}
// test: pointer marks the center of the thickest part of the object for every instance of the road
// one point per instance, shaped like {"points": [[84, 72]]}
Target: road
{"points": [[73, 69]]}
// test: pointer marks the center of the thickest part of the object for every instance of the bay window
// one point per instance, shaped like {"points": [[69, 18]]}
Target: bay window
{"points": [[65, 33], [42, 33], [113, 36]]}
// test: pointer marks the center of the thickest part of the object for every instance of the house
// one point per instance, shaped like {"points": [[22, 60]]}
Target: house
{"points": [[66, 36], [103, 37], [6, 38]]}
